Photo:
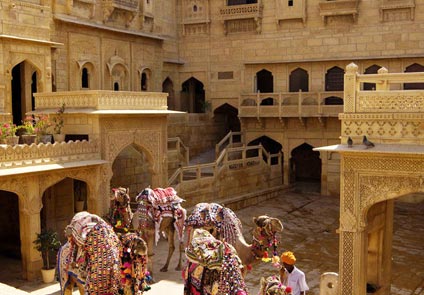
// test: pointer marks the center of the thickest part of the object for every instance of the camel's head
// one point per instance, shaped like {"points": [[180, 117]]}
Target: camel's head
{"points": [[268, 225], [273, 286], [121, 196]]}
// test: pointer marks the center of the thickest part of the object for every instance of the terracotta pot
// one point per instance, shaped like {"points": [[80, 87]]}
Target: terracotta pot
{"points": [[59, 137], [46, 138], [48, 275], [28, 139], [12, 140]]}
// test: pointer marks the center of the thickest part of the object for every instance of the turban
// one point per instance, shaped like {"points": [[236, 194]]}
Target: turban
{"points": [[288, 257]]}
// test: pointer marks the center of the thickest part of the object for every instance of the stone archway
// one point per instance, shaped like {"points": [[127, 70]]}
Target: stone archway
{"points": [[25, 82], [369, 184], [131, 169], [305, 167]]}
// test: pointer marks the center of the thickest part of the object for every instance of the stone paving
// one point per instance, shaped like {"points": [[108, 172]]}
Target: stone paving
{"points": [[310, 222]]}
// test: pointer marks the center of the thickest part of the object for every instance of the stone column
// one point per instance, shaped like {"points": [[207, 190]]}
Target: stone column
{"points": [[29, 220], [352, 242]]}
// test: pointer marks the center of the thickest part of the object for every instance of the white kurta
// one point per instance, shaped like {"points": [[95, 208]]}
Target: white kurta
{"points": [[296, 280]]}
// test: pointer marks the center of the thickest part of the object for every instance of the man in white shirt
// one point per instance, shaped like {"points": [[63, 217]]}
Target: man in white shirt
{"points": [[291, 276]]}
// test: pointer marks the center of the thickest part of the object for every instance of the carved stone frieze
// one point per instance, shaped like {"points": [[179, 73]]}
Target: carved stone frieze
{"points": [[377, 188]]}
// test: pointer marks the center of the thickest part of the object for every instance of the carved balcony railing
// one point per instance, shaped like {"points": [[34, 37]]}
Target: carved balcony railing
{"points": [[387, 114], [291, 104], [22, 155], [242, 12], [102, 100], [129, 5], [338, 7]]}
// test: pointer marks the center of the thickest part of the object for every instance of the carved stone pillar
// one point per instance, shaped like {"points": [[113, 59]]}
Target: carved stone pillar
{"points": [[350, 86], [286, 169], [30, 206], [352, 242]]}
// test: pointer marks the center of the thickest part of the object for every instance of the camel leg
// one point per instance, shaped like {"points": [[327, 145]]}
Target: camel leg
{"points": [[181, 248], [149, 237], [171, 246]]}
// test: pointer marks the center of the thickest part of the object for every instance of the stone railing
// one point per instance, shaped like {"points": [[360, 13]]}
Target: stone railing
{"points": [[182, 149], [129, 5], [230, 159], [102, 100], [289, 104], [241, 11], [23, 155], [383, 115]]}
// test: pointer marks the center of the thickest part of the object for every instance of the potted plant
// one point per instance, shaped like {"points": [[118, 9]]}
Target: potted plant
{"points": [[58, 124], [47, 242], [9, 131], [41, 127], [27, 131]]}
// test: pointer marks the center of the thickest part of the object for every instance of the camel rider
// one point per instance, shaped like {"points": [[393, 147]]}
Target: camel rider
{"points": [[291, 276]]}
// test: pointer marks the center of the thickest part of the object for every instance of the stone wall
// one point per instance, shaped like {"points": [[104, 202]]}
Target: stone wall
{"points": [[199, 132]]}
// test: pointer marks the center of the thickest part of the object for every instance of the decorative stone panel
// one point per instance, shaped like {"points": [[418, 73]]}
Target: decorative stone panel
{"points": [[195, 18], [397, 10], [289, 10], [242, 18], [338, 8]]}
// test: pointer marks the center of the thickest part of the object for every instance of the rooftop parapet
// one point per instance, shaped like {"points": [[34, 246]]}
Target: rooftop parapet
{"points": [[387, 114], [92, 100]]}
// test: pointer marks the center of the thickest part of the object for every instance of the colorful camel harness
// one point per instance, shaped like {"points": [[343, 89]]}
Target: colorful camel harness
{"points": [[155, 204], [213, 267], [229, 227]]}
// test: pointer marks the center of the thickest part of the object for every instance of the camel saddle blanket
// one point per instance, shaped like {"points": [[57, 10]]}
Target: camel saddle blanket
{"points": [[163, 202]]}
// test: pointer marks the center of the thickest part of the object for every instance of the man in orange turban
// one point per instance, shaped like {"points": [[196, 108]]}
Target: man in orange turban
{"points": [[291, 276]]}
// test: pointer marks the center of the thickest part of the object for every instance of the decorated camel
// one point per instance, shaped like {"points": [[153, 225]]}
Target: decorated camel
{"points": [[213, 267], [98, 262], [273, 286], [121, 215], [223, 223], [159, 210]]}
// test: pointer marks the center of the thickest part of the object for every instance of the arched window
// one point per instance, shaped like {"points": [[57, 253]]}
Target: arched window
{"points": [[334, 79], [116, 86], [299, 80], [413, 69], [143, 82], [264, 81], [371, 70], [194, 8], [84, 78]]}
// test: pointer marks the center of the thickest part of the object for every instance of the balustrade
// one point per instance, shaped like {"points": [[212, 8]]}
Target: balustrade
{"points": [[289, 104]]}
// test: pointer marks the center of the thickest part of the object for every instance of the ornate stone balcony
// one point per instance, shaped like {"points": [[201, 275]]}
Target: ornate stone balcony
{"points": [[338, 7], [102, 100], [234, 13], [290, 104], [18, 158], [386, 115], [129, 5], [391, 10]]}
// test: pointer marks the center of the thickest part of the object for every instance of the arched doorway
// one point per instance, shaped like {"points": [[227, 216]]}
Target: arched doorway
{"points": [[265, 84], [305, 168], [60, 202], [270, 145], [24, 84], [394, 236], [334, 79], [10, 240], [193, 96], [168, 87], [131, 169], [299, 80], [227, 116]]}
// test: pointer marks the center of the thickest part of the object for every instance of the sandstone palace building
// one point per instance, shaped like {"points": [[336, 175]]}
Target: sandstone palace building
{"points": [[149, 84]]}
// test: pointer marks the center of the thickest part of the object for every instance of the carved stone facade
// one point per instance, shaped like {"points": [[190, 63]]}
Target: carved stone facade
{"points": [[372, 178]]}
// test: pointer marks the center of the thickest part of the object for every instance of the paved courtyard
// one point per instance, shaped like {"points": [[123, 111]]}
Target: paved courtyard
{"points": [[310, 222]]}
